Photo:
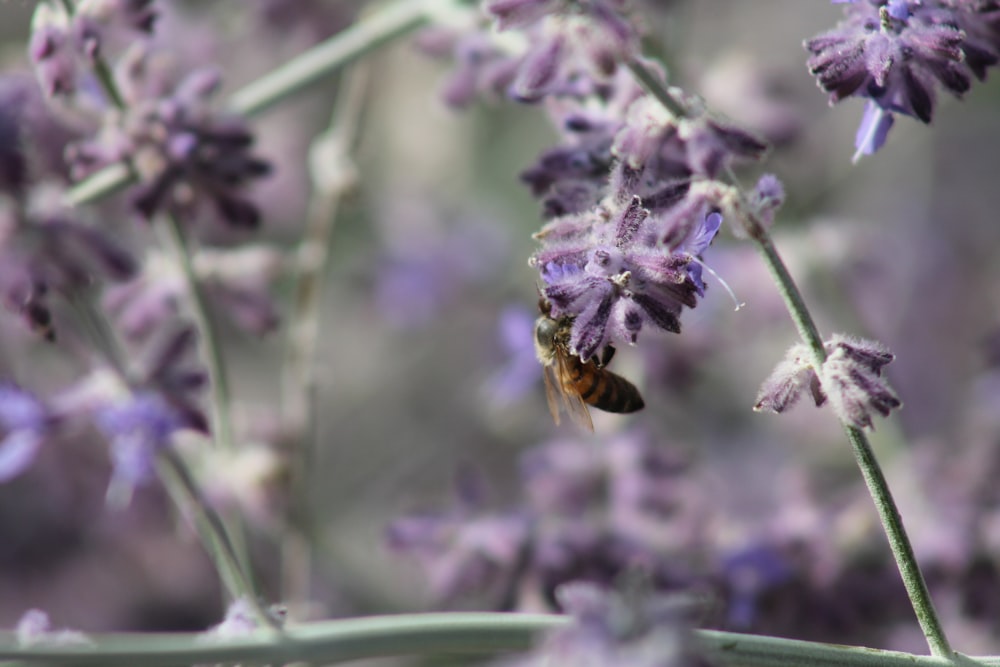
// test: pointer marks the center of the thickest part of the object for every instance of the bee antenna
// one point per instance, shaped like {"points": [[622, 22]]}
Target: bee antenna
{"points": [[729, 290]]}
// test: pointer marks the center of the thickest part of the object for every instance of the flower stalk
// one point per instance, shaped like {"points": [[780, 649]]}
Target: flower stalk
{"points": [[332, 179], [215, 531], [871, 471], [344, 640]]}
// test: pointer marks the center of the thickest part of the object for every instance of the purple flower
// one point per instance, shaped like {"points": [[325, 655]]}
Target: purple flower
{"points": [[610, 628], [34, 628], [137, 429], [64, 47], [237, 282], [464, 551], [851, 377], [45, 252], [520, 372], [24, 424], [619, 269], [185, 154], [895, 53], [749, 572]]}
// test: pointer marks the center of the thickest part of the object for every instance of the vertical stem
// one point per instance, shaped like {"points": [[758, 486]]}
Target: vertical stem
{"points": [[182, 488], [878, 488], [332, 174], [221, 424], [175, 475], [222, 427]]}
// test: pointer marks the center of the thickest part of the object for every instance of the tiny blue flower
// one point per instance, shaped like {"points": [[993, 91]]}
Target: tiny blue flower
{"points": [[138, 428], [24, 421]]}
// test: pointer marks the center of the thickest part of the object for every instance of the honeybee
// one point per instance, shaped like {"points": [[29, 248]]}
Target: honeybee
{"points": [[571, 383]]}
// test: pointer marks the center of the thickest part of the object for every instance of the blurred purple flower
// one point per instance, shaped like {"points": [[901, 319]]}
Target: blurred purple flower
{"points": [[45, 252], [894, 52], [463, 551], [34, 628], [24, 424], [612, 629], [137, 429], [63, 47], [185, 154], [140, 420], [749, 572], [237, 281], [32, 140], [424, 271], [520, 372], [590, 513]]}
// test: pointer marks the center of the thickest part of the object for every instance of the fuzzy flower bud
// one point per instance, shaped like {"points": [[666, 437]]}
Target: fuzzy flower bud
{"points": [[851, 378]]}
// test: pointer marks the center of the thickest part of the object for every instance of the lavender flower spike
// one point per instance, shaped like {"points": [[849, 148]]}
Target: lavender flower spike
{"points": [[896, 52], [615, 270]]}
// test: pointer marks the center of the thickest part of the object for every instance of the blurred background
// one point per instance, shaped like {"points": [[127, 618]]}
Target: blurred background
{"points": [[417, 379]]}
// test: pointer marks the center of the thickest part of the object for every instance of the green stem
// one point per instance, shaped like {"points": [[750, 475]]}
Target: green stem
{"points": [[176, 242], [184, 492], [333, 176], [878, 488], [175, 475], [363, 37], [221, 423], [433, 634]]}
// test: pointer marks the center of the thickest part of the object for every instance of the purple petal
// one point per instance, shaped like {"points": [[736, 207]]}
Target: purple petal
{"points": [[17, 452], [873, 131]]}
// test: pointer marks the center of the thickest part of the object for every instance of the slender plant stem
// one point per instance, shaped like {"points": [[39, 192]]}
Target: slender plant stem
{"points": [[878, 488], [333, 176], [174, 238], [174, 473], [221, 423], [172, 233], [344, 640], [182, 488], [388, 23]]}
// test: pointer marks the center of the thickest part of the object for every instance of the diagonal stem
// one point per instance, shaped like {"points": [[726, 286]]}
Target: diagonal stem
{"points": [[871, 471]]}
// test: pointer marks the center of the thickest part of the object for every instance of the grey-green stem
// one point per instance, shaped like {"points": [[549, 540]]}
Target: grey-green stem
{"points": [[223, 433], [438, 634], [871, 471]]}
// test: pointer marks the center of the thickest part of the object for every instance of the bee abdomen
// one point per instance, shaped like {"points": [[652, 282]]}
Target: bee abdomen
{"points": [[609, 392]]}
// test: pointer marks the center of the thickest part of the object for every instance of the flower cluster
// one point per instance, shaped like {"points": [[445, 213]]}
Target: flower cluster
{"points": [[183, 152], [894, 53], [65, 46], [851, 378], [158, 122], [46, 250], [590, 514]]}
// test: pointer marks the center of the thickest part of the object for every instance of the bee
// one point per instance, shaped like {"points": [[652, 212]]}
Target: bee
{"points": [[571, 383]]}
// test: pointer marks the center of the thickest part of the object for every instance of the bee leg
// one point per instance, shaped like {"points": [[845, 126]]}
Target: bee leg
{"points": [[607, 354]]}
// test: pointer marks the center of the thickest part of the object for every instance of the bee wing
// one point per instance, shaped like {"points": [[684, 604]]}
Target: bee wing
{"points": [[577, 410], [552, 391]]}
